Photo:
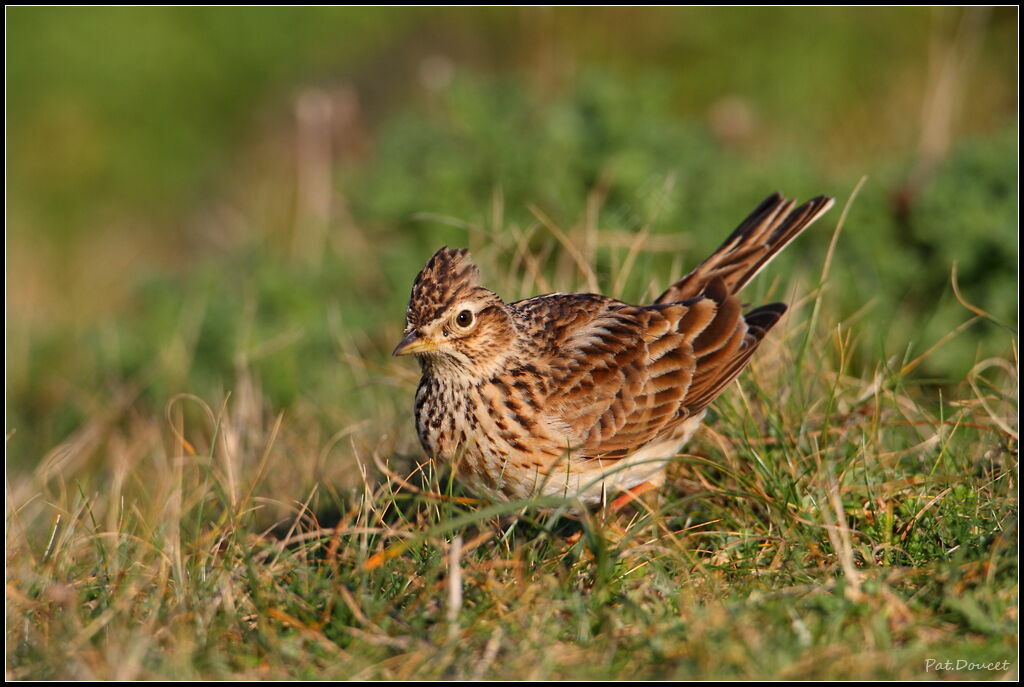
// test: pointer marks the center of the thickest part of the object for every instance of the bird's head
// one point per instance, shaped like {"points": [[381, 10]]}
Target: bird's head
{"points": [[454, 323]]}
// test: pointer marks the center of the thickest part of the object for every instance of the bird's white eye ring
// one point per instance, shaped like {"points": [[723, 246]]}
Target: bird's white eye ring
{"points": [[464, 319]]}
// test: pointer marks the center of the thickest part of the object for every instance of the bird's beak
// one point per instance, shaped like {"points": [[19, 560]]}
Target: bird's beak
{"points": [[414, 342]]}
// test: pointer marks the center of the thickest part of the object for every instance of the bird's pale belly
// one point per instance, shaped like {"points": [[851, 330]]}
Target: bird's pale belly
{"points": [[538, 464]]}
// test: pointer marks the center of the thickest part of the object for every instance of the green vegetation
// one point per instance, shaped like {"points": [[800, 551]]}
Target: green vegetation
{"points": [[214, 219]]}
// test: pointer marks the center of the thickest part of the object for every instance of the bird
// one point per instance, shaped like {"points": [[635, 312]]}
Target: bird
{"points": [[579, 395]]}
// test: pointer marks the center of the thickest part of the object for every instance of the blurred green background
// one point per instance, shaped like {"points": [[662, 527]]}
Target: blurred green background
{"points": [[194, 192]]}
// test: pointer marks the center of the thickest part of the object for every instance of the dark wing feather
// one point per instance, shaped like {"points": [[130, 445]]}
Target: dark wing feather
{"points": [[718, 369]]}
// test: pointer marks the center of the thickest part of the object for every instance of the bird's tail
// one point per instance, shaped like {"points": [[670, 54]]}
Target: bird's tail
{"points": [[768, 229]]}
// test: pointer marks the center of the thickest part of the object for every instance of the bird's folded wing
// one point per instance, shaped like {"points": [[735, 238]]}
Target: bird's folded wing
{"points": [[628, 375]]}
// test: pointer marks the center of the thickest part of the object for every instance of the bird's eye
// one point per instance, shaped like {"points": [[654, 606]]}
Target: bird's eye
{"points": [[464, 319]]}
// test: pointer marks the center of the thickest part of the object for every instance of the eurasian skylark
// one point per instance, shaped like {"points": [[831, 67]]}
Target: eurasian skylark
{"points": [[580, 394]]}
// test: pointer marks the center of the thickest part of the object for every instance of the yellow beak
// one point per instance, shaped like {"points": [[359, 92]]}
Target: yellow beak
{"points": [[414, 343]]}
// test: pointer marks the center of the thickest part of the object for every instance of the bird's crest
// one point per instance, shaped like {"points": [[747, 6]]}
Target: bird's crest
{"points": [[448, 276]]}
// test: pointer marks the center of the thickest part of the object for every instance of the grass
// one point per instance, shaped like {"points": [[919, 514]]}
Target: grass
{"points": [[824, 525], [212, 471]]}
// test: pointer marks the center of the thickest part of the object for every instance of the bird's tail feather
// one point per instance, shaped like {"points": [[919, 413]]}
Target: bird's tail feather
{"points": [[758, 239]]}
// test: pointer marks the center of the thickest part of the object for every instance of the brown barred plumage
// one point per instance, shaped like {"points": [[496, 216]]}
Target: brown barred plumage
{"points": [[580, 394]]}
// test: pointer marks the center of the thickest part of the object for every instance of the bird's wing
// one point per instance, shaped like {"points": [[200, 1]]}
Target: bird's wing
{"points": [[758, 239], [620, 376]]}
